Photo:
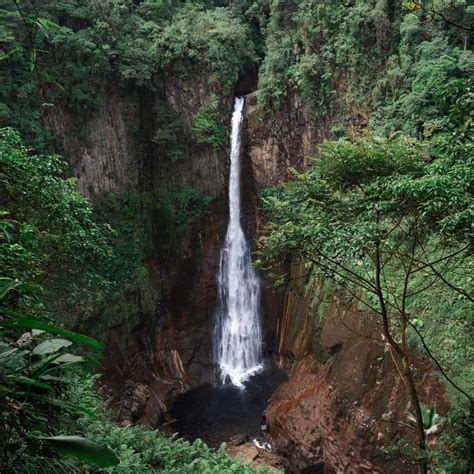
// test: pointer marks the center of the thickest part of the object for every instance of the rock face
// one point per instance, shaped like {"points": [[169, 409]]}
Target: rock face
{"points": [[138, 141], [345, 399], [280, 141], [100, 147], [259, 458], [345, 405], [202, 167]]}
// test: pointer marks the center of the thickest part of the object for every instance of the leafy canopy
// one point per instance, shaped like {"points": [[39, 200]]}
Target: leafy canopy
{"points": [[52, 239]]}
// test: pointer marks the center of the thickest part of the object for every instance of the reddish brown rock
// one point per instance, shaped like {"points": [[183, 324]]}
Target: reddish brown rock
{"points": [[249, 454], [344, 416]]}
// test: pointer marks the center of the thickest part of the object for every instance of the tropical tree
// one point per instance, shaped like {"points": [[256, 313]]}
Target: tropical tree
{"points": [[450, 12], [384, 225], [53, 239], [47, 236]]}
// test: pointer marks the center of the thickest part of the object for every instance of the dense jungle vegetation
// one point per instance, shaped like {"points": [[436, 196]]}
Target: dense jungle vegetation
{"points": [[385, 212]]}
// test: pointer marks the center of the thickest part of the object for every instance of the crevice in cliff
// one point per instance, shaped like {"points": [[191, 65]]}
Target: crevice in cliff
{"points": [[247, 83]]}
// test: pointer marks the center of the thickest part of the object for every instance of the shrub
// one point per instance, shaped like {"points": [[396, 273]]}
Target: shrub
{"points": [[206, 126]]}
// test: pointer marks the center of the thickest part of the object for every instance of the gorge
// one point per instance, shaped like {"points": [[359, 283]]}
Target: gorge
{"points": [[262, 216], [213, 412]]}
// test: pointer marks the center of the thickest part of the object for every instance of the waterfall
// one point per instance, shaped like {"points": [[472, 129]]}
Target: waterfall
{"points": [[237, 340]]}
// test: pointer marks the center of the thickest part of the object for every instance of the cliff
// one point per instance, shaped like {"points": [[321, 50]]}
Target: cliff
{"points": [[345, 407], [339, 410], [159, 345]]}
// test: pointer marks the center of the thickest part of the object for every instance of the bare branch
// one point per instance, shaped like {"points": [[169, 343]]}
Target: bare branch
{"points": [[433, 358]]}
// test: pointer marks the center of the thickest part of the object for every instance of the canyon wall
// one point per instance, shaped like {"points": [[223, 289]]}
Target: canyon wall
{"points": [[161, 347], [345, 406], [344, 401]]}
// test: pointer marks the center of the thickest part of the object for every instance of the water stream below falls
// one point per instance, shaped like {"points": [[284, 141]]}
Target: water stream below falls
{"points": [[217, 413]]}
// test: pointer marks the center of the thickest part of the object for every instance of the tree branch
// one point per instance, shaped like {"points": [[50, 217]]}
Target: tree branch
{"points": [[433, 358]]}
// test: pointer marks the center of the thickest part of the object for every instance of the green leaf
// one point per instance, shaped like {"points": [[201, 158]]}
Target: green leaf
{"points": [[83, 449], [52, 378], [44, 24], [30, 323], [29, 381], [68, 359], [46, 365], [50, 346], [8, 353], [6, 285], [71, 407]]}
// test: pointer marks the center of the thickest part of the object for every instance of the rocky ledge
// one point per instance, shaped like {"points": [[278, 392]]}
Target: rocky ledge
{"points": [[348, 415]]}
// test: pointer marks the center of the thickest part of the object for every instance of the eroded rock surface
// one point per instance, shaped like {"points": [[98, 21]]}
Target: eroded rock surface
{"points": [[162, 346], [101, 147], [278, 142], [248, 453], [344, 415]]}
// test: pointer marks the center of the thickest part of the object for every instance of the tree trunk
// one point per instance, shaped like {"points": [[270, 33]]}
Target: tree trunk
{"points": [[407, 373], [423, 462]]}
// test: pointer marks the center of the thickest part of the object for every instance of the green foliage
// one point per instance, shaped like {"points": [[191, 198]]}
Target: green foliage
{"points": [[315, 48], [359, 194], [79, 48], [82, 260], [389, 221], [453, 13], [165, 215], [216, 40], [419, 79], [83, 449], [34, 377], [444, 318], [173, 209], [52, 239], [27, 321], [207, 127], [348, 164], [170, 136], [454, 454], [47, 232], [124, 213], [347, 59]]}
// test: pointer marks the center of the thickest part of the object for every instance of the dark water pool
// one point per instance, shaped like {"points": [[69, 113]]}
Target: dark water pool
{"points": [[216, 413]]}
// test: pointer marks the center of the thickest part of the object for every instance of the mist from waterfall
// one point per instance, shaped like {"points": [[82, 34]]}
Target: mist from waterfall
{"points": [[237, 343]]}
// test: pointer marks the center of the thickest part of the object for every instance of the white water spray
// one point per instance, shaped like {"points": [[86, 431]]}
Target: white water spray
{"points": [[237, 335]]}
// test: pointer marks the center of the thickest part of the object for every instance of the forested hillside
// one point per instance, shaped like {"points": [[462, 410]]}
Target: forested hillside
{"points": [[358, 179]]}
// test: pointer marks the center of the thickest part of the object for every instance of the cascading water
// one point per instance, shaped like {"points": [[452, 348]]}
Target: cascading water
{"points": [[237, 335], [216, 413]]}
